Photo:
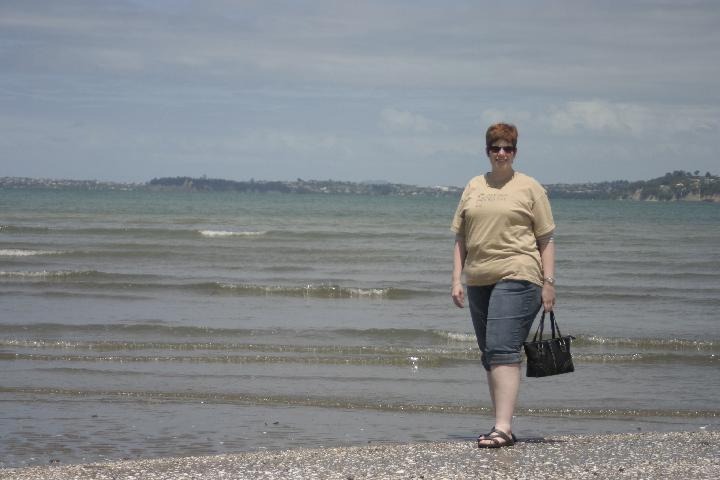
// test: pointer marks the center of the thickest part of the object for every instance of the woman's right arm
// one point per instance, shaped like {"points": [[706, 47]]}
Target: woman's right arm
{"points": [[459, 254]]}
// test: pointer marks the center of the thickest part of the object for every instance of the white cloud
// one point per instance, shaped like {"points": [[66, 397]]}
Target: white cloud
{"points": [[631, 119], [597, 115], [429, 146], [393, 120], [290, 86], [291, 142], [492, 115], [374, 44]]}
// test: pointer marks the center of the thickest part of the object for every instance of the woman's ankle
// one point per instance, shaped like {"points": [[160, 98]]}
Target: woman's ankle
{"points": [[503, 427]]}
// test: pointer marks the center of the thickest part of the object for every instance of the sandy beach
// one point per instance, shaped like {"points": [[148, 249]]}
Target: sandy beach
{"points": [[644, 456]]}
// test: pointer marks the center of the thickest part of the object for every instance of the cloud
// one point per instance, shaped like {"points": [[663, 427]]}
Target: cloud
{"points": [[393, 120], [597, 115], [372, 44], [630, 119], [492, 115], [292, 86], [293, 143]]}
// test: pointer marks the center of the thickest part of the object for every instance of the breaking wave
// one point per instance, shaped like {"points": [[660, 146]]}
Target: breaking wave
{"points": [[18, 252], [227, 233]]}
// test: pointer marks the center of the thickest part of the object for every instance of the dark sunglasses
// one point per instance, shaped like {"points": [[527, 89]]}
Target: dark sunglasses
{"points": [[495, 149]]}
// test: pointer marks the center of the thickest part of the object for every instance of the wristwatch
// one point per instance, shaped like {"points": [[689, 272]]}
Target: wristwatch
{"points": [[550, 280]]}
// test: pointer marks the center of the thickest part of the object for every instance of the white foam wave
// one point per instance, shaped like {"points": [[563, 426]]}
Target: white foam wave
{"points": [[41, 274], [321, 290], [368, 292], [16, 252], [226, 233], [459, 337]]}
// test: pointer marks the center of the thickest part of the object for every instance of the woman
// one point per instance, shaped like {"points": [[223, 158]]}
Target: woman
{"points": [[504, 244]]}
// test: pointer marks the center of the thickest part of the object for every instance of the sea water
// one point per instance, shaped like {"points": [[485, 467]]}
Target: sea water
{"points": [[145, 324]]}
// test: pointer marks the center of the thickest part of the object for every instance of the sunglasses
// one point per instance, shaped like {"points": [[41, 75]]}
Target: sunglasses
{"points": [[495, 149]]}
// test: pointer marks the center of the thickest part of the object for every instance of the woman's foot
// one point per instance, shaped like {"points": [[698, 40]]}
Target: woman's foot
{"points": [[496, 439], [482, 436]]}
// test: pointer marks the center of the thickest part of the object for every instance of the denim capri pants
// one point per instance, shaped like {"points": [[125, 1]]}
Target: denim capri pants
{"points": [[502, 315]]}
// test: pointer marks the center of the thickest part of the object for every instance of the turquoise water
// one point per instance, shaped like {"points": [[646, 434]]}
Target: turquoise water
{"points": [[141, 324]]}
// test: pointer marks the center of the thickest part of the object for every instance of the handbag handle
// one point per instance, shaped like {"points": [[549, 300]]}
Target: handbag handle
{"points": [[553, 326]]}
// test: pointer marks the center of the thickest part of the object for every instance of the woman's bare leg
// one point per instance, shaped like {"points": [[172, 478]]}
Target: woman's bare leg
{"points": [[504, 385]]}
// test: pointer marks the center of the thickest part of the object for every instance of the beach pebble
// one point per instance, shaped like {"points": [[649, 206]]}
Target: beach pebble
{"points": [[644, 455]]}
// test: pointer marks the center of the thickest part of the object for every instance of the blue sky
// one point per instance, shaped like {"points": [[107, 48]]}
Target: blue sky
{"points": [[356, 90]]}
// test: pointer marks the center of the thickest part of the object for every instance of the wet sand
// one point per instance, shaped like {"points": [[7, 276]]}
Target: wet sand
{"points": [[643, 456]]}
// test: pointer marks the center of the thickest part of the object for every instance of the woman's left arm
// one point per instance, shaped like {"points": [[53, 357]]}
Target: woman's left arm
{"points": [[546, 246]]}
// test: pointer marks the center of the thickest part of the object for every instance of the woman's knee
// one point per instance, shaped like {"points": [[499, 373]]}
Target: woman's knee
{"points": [[510, 316]]}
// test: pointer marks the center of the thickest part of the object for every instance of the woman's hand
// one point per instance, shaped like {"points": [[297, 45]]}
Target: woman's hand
{"points": [[548, 297], [458, 295]]}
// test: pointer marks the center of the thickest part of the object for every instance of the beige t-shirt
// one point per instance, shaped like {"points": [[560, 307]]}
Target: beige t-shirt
{"points": [[500, 227]]}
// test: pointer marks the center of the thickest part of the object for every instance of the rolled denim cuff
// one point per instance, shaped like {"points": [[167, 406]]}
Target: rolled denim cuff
{"points": [[500, 359]]}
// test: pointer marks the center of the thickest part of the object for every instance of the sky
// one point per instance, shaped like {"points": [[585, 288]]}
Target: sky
{"points": [[400, 91]]}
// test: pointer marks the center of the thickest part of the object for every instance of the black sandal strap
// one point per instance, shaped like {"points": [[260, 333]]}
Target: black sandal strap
{"points": [[504, 436], [495, 439], [486, 436]]}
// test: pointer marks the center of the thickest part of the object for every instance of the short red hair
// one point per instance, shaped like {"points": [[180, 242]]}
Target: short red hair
{"points": [[501, 131]]}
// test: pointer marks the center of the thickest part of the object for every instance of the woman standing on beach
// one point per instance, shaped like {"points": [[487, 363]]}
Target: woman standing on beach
{"points": [[504, 244]]}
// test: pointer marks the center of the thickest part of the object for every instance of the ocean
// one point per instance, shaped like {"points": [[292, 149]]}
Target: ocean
{"points": [[138, 324]]}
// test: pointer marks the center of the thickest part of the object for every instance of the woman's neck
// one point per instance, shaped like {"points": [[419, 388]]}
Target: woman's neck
{"points": [[501, 176]]}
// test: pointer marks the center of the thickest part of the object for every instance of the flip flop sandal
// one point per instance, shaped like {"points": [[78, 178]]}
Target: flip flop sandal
{"points": [[494, 437]]}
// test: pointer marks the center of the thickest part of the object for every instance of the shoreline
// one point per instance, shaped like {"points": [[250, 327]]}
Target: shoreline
{"points": [[637, 455]]}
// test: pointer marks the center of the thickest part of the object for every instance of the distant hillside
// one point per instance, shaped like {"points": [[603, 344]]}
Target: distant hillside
{"points": [[300, 186], [676, 186]]}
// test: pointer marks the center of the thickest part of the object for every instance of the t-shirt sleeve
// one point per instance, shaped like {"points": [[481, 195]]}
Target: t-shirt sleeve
{"points": [[458, 223], [543, 222]]}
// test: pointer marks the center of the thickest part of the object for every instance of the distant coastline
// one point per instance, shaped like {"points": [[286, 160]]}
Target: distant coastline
{"points": [[673, 186]]}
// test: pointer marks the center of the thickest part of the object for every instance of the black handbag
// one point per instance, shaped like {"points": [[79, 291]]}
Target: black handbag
{"points": [[550, 356]]}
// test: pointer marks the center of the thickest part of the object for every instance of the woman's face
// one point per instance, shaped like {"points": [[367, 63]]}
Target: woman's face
{"points": [[501, 159]]}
